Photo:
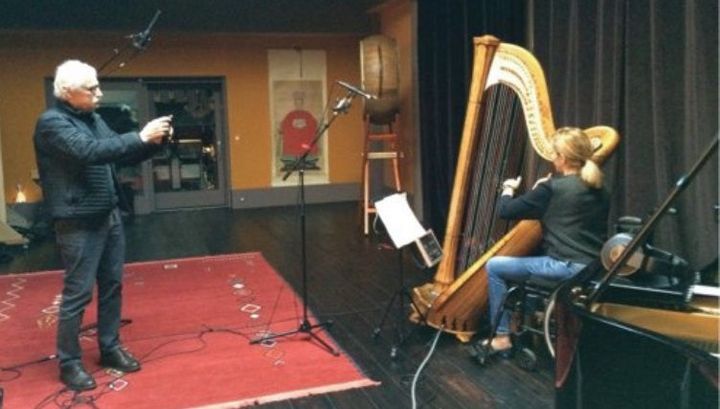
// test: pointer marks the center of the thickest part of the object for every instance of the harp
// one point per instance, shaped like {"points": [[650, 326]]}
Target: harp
{"points": [[507, 129]]}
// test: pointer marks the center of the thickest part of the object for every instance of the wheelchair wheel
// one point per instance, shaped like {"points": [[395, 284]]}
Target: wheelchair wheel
{"points": [[526, 359], [548, 332]]}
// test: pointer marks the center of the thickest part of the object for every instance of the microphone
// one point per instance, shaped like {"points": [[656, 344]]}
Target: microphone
{"points": [[141, 39], [357, 90]]}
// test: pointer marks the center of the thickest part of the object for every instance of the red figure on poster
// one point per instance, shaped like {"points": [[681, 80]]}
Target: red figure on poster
{"points": [[298, 129]]}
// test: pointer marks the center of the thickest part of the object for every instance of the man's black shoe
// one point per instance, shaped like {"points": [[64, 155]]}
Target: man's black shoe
{"points": [[120, 360], [75, 377]]}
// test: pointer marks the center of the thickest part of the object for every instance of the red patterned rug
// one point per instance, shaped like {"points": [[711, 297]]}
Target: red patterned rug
{"points": [[190, 322]]}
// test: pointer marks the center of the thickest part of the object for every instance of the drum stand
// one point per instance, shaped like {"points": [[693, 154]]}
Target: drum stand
{"points": [[401, 319]]}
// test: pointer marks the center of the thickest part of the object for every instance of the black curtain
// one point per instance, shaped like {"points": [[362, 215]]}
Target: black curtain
{"points": [[647, 68], [650, 70], [445, 32]]}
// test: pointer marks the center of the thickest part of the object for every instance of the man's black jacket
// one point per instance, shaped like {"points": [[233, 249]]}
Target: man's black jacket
{"points": [[76, 152]]}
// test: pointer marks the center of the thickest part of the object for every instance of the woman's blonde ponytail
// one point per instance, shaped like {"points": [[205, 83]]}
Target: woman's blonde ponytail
{"points": [[574, 145], [591, 174]]}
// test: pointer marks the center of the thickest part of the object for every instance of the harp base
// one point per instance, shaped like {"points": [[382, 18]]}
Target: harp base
{"points": [[418, 318], [424, 296], [422, 312]]}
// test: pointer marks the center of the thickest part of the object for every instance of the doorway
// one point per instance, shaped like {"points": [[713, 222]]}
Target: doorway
{"points": [[190, 170]]}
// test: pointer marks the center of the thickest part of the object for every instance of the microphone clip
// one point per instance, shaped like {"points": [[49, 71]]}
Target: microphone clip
{"points": [[142, 39], [343, 104]]}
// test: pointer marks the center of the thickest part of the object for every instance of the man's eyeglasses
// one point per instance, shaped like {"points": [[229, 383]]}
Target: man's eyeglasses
{"points": [[91, 89]]}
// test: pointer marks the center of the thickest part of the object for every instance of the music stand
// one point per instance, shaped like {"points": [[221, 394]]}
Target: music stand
{"points": [[403, 228], [300, 165]]}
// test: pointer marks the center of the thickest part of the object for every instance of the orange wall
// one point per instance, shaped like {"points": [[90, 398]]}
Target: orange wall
{"points": [[26, 58], [396, 22]]}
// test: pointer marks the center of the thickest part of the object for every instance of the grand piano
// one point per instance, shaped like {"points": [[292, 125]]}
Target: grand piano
{"points": [[643, 340]]}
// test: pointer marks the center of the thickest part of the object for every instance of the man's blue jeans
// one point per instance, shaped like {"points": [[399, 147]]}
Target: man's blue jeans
{"points": [[501, 269], [93, 251]]}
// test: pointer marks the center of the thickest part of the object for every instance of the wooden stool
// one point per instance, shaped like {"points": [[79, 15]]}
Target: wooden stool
{"points": [[390, 150]]}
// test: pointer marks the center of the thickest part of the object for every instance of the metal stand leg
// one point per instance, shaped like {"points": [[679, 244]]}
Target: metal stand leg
{"points": [[400, 319]]}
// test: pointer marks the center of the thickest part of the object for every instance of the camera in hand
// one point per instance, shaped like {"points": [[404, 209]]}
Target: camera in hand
{"points": [[168, 137]]}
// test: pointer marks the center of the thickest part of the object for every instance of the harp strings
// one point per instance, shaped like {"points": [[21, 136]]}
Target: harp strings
{"points": [[498, 154]]}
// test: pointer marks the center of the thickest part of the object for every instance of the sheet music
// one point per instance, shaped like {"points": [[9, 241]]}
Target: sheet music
{"points": [[399, 220]]}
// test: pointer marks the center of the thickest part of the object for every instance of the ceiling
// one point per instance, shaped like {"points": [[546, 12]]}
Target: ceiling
{"points": [[250, 16]]}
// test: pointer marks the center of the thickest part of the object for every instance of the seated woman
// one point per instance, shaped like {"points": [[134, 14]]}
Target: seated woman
{"points": [[572, 207]]}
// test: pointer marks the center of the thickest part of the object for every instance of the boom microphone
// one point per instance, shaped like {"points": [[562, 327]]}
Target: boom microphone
{"points": [[141, 39], [357, 90]]}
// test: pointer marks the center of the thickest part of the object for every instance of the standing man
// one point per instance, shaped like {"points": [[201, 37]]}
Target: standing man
{"points": [[76, 152]]}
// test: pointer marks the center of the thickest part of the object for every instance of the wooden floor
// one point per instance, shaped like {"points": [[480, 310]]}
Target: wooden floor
{"points": [[350, 281]]}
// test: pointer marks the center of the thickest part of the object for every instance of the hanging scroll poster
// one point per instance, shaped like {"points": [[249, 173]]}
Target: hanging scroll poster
{"points": [[297, 95]]}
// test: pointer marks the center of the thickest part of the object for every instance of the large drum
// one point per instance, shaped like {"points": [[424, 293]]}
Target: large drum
{"points": [[381, 77]]}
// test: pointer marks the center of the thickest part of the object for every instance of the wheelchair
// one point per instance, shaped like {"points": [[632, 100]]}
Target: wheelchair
{"points": [[531, 304]]}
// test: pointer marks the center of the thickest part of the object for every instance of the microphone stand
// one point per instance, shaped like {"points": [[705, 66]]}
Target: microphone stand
{"points": [[139, 42], [299, 165]]}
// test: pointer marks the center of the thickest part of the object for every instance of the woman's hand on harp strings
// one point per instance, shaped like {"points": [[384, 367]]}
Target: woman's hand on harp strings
{"points": [[509, 186]]}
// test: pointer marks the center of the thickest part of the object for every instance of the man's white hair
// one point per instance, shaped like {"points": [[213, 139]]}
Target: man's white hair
{"points": [[70, 75]]}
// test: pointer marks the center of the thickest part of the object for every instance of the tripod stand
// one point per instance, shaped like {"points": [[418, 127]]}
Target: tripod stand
{"points": [[305, 326], [399, 296]]}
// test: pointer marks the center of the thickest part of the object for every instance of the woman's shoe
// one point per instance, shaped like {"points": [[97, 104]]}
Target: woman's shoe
{"points": [[481, 352], [486, 345]]}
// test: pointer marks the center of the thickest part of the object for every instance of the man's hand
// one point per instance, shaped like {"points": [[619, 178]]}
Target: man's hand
{"points": [[157, 129]]}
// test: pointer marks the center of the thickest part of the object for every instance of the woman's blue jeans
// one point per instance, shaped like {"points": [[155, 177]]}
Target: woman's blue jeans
{"points": [[502, 269]]}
